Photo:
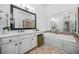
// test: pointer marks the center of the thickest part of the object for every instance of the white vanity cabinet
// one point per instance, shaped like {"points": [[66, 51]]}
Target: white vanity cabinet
{"points": [[9, 45], [18, 44], [34, 41], [25, 45], [10, 48], [27, 42]]}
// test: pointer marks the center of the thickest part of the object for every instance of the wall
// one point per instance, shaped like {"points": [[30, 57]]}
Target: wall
{"points": [[40, 12], [58, 10], [45, 13], [42, 21], [6, 10]]}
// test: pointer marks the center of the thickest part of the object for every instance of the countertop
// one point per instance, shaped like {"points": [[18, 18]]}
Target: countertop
{"points": [[14, 34], [10, 34]]}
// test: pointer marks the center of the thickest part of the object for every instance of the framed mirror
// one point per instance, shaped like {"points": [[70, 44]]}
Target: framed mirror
{"points": [[22, 19]]}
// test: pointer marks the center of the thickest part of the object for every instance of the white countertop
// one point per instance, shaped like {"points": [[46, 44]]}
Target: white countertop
{"points": [[38, 32], [15, 34]]}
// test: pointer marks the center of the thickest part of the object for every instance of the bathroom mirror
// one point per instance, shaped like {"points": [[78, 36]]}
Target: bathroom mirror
{"points": [[22, 19], [64, 22]]}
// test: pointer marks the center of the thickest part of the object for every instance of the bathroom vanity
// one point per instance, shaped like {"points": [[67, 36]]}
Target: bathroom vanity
{"points": [[17, 43]]}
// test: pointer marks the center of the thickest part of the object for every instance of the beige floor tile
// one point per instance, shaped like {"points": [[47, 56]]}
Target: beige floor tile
{"points": [[45, 50]]}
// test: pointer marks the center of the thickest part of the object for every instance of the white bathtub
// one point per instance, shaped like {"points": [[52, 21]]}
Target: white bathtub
{"points": [[69, 38]]}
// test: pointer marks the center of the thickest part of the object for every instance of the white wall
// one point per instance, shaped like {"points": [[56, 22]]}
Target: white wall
{"points": [[58, 10], [45, 13], [42, 21], [6, 9], [40, 12]]}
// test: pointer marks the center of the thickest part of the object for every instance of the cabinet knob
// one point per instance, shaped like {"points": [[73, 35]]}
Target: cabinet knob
{"points": [[9, 40], [15, 43], [32, 39], [20, 42]]}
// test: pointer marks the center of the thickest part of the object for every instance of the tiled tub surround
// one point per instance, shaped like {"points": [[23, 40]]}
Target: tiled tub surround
{"points": [[66, 43]]}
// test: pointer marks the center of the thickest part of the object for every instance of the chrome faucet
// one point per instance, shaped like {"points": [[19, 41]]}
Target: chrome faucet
{"points": [[20, 30]]}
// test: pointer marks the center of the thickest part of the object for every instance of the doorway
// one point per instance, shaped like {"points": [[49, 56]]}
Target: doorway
{"points": [[67, 26]]}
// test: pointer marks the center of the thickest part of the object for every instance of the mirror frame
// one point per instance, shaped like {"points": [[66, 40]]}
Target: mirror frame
{"points": [[12, 26]]}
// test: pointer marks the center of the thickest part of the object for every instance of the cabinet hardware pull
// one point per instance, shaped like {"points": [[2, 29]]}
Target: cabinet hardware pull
{"points": [[15, 43], [10, 40], [20, 42]]}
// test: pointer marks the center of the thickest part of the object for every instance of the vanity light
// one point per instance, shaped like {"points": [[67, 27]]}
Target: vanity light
{"points": [[29, 8], [53, 19], [26, 7]]}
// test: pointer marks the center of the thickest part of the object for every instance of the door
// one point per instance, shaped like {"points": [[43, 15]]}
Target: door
{"points": [[67, 26], [11, 48], [25, 45]]}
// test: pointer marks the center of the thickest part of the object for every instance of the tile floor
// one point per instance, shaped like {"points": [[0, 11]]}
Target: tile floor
{"points": [[46, 50]]}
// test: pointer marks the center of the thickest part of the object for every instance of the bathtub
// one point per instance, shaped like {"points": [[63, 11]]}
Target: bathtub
{"points": [[69, 38]]}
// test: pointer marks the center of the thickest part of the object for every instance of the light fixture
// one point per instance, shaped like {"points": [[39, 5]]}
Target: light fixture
{"points": [[53, 19]]}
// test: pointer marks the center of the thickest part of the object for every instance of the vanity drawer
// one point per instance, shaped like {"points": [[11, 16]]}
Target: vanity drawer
{"points": [[25, 36], [8, 40]]}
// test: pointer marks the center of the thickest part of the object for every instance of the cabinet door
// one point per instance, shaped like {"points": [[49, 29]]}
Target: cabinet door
{"points": [[25, 45], [34, 41], [11, 48]]}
